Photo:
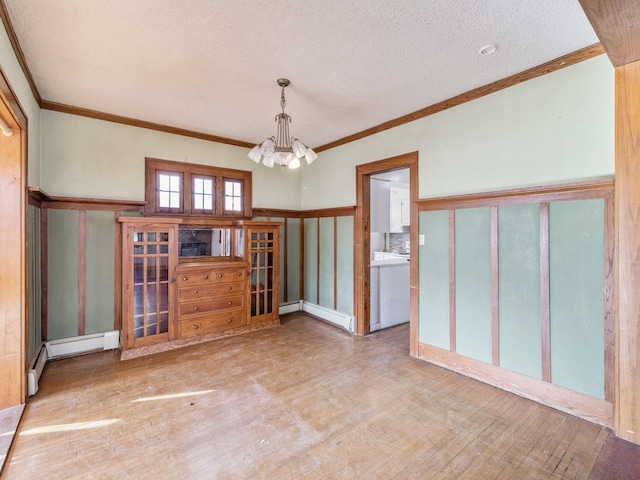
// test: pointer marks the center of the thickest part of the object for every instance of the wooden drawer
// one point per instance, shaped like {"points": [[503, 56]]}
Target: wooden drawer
{"points": [[188, 277], [215, 289], [211, 324], [211, 304]]}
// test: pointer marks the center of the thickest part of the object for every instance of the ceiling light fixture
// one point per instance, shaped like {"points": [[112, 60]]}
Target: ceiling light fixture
{"points": [[488, 49], [282, 149]]}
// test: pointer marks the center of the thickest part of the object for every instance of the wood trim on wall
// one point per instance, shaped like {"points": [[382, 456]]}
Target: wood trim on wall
{"points": [[302, 214], [598, 188], [545, 317], [301, 266], [318, 260], [44, 274], [610, 325], [561, 398], [82, 271], [285, 260], [44, 200], [17, 49], [117, 275], [109, 117], [452, 280], [495, 290], [335, 263], [362, 247], [548, 67]]}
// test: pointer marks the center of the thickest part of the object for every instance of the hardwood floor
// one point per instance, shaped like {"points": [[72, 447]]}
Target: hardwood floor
{"points": [[304, 400]]}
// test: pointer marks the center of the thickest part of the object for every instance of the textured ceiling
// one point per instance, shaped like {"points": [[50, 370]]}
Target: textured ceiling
{"points": [[211, 66]]}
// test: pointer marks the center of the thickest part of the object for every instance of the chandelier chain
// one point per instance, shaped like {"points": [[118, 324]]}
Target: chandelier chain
{"points": [[283, 102]]}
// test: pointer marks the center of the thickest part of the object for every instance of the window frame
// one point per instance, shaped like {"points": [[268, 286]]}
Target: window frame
{"points": [[224, 195], [203, 211], [169, 210], [187, 172]]}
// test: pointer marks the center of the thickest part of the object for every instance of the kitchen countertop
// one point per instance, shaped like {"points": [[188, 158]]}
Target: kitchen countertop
{"points": [[390, 262]]}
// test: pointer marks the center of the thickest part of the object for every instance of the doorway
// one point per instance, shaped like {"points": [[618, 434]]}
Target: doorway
{"points": [[362, 241]]}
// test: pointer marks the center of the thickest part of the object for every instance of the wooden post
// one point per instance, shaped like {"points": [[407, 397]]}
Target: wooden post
{"points": [[627, 207]]}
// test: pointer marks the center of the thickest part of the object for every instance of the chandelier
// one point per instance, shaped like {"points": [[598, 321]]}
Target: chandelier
{"points": [[282, 149]]}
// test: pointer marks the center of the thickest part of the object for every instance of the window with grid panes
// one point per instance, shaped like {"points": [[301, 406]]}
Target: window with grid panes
{"points": [[203, 194], [189, 189], [232, 196]]}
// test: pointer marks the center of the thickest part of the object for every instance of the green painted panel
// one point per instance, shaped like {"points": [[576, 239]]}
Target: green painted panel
{"points": [[293, 259], [326, 262], [62, 270], [519, 289], [434, 279], [473, 283], [345, 273], [100, 271], [310, 260], [576, 272]]}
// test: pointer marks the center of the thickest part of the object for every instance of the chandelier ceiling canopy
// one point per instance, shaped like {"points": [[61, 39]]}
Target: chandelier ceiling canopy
{"points": [[282, 149]]}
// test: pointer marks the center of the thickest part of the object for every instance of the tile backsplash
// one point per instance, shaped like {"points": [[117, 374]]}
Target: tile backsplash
{"points": [[398, 242]]}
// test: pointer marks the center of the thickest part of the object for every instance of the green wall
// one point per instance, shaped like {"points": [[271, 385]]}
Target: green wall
{"points": [[473, 282], [62, 270], [576, 289], [576, 295], [334, 257], [519, 289], [434, 279]]}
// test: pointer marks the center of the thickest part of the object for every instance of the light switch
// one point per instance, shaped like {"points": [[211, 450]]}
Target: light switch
{"points": [[421, 239]]}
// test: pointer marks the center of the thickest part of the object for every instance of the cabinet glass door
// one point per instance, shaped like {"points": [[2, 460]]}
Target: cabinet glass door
{"points": [[148, 263], [262, 252], [150, 283]]}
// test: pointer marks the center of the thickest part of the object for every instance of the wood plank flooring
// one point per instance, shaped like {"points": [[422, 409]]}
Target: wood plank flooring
{"points": [[300, 401]]}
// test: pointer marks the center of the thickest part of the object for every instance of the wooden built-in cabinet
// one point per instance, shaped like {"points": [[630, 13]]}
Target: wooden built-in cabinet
{"points": [[183, 283], [211, 299]]}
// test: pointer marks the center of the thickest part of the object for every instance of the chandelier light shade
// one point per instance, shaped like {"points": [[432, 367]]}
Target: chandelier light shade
{"points": [[282, 149]]}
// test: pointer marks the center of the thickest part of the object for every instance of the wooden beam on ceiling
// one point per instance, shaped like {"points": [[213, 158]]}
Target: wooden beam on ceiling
{"points": [[617, 24]]}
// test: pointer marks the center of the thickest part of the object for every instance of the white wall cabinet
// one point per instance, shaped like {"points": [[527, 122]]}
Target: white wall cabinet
{"points": [[379, 205], [398, 208]]}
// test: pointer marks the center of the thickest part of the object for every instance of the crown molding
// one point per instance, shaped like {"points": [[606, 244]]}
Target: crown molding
{"points": [[551, 66], [17, 49], [108, 117]]}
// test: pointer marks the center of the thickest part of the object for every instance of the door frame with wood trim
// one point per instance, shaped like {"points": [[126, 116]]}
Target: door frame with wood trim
{"points": [[13, 268], [362, 247]]}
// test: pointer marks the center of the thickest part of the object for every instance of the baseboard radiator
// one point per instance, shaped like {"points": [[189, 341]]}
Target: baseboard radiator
{"points": [[346, 322], [66, 347]]}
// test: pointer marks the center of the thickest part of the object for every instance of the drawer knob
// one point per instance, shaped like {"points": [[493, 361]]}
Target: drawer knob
{"points": [[206, 277], [196, 326], [195, 292], [239, 274], [230, 320], [195, 308], [184, 279], [229, 287], [229, 303], [219, 275]]}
